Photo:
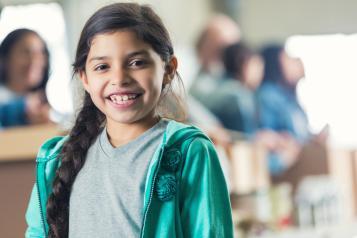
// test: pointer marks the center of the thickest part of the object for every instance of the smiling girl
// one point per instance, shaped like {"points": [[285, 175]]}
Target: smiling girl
{"points": [[126, 169]]}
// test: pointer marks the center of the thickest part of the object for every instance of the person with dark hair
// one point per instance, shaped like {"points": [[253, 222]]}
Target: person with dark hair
{"points": [[279, 108], [24, 72], [244, 72], [126, 169]]}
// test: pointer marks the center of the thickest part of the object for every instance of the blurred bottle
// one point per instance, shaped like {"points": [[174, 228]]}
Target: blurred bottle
{"points": [[318, 202]]}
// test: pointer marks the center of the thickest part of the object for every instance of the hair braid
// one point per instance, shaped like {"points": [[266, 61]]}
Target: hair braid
{"points": [[87, 127]]}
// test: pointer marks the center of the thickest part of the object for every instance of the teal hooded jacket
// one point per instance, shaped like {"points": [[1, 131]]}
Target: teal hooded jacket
{"points": [[185, 193]]}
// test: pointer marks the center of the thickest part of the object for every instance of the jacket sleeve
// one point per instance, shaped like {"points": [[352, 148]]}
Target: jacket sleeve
{"points": [[33, 217], [204, 200]]}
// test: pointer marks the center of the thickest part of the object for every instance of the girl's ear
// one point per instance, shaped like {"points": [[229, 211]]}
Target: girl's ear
{"points": [[84, 80], [170, 70]]}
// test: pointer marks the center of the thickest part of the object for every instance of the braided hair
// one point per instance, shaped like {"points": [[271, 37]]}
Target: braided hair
{"points": [[148, 27]]}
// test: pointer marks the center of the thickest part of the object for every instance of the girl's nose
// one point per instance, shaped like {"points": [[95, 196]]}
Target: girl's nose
{"points": [[120, 77]]}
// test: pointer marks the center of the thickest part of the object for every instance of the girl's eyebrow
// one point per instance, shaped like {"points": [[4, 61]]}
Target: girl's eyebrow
{"points": [[94, 58], [132, 54], [140, 52]]}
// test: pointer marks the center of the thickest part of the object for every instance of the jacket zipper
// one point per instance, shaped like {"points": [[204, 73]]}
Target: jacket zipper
{"points": [[151, 193], [39, 202], [154, 178]]}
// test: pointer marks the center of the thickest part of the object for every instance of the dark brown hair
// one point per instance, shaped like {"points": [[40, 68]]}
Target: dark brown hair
{"points": [[234, 57], [148, 27]]}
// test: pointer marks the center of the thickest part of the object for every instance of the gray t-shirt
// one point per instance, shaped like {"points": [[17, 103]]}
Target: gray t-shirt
{"points": [[107, 195]]}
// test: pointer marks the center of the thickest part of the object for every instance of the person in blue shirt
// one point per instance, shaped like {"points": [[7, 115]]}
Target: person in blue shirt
{"points": [[280, 110], [24, 72]]}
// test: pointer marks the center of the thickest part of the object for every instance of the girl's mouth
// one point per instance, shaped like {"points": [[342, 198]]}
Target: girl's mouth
{"points": [[123, 99]]}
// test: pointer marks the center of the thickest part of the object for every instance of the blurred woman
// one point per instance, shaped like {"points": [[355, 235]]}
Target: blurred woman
{"points": [[24, 72], [280, 110]]}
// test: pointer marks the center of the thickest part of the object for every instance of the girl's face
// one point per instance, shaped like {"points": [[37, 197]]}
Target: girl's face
{"points": [[124, 77], [27, 62]]}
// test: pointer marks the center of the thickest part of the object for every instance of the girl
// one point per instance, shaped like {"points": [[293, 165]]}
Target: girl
{"points": [[124, 170]]}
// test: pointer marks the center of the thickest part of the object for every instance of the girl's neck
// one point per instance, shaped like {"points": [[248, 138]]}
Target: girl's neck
{"points": [[120, 133]]}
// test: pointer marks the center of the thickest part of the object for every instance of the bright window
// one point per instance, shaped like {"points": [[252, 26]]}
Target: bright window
{"points": [[329, 90]]}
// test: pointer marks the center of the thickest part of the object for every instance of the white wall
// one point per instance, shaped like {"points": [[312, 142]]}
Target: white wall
{"points": [[15, 2], [183, 18], [261, 20], [268, 20]]}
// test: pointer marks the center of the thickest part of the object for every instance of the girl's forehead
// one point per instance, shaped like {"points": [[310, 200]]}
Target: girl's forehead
{"points": [[119, 44], [117, 40]]}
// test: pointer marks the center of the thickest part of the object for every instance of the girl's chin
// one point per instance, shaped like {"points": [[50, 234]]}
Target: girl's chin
{"points": [[129, 118]]}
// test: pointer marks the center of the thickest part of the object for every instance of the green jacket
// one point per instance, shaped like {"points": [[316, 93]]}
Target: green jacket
{"points": [[185, 193]]}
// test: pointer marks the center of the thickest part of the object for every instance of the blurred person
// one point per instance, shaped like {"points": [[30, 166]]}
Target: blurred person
{"points": [[280, 110], [219, 32], [24, 72], [279, 105], [234, 101]]}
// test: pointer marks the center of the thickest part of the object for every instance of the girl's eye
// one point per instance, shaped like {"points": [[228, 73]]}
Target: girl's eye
{"points": [[137, 63], [101, 67]]}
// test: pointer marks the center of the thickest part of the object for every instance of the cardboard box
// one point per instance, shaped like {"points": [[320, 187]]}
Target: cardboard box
{"points": [[249, 171]]}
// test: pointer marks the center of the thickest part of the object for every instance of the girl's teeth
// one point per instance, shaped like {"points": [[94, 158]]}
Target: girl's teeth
{"points": [[119, 98]]}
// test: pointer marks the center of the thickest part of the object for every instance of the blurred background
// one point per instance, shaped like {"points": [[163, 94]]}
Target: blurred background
{"points": [[272, 82]]}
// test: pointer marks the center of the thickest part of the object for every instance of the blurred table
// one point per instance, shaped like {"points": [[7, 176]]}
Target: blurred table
{"points": [[346, 230], [18, 150]]}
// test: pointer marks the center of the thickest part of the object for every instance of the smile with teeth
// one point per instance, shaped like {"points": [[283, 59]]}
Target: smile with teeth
{"points": [[122, 99]]}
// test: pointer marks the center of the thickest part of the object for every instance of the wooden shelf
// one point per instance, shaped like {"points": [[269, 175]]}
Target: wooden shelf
{"points": [[22, 143]]}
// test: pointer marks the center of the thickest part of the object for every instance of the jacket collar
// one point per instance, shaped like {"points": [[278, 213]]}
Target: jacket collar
{"points": [[51, 148], [174, 133]]}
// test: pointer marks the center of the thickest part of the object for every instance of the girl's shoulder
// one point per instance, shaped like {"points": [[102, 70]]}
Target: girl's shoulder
{"points": [[50, 148]]}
